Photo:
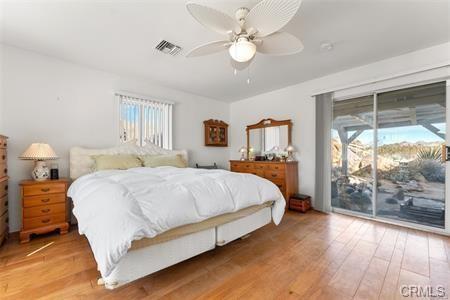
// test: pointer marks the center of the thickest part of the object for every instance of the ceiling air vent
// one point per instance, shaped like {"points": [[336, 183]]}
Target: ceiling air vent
{"points": [[168, 48]]}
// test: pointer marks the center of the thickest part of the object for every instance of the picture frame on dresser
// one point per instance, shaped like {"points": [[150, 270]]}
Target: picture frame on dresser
{"points": [[4, 218]]}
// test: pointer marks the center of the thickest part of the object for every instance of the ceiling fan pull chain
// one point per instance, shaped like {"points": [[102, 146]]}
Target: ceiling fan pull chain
{"points": [[248, 75]]}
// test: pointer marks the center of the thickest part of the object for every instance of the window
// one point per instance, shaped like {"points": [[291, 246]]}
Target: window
{"points": [[145, 121]]}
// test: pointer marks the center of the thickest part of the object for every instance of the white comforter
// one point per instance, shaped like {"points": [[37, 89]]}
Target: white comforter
{"points": [[115, 207]]}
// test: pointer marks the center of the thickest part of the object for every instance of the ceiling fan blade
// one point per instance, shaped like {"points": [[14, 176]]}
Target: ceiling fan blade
{"points": [[213, 19], [239, 66], [280, 43], [209, 48], [269, 16]]}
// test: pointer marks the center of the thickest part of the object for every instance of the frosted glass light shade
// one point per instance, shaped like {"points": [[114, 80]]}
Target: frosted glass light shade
{"points": [[39, 151], [242, 50]]}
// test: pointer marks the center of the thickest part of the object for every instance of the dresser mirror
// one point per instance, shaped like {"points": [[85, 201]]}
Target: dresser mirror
{"points": [[268, 137]]}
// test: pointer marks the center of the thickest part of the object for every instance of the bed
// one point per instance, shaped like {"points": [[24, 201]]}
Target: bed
{"points": [[142, 220]]}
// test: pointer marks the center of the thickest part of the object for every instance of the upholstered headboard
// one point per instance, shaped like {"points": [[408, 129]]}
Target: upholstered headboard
{"points": [[81, 162]]}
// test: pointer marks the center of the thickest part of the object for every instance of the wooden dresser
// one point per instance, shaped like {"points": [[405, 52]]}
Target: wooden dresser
{"points": [[283, 174], [44, 207], [3, 190]]}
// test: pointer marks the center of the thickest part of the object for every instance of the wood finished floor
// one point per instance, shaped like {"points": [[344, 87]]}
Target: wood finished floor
{"points": [[310, 256]]}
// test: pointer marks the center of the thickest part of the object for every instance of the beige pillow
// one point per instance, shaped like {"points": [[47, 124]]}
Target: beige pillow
{"points": [[172, 160], [118, 162]]}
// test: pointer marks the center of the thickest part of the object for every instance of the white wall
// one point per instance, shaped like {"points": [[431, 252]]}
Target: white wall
{"points": [[63, 104], [295, 102]]}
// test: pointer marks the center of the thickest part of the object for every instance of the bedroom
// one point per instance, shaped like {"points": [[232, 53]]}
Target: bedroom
{"points": [[354, 102]]}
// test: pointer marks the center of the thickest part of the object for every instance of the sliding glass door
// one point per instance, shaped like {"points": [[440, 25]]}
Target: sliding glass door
{"points": [[392, 141], [352, 155]]}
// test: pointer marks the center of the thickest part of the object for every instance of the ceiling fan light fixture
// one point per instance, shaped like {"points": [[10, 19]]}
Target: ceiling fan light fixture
{"points": [[242, 50]]}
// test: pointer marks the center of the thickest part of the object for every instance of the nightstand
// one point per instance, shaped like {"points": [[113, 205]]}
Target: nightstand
{"points": [[44, 207]]}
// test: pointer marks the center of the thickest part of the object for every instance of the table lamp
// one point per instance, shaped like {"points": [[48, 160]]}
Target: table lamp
{"points": [[243, 151], [290, 150], [39, 153]]}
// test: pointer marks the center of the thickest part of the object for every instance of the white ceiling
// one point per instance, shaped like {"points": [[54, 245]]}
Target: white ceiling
{"points": [[120, 35]]}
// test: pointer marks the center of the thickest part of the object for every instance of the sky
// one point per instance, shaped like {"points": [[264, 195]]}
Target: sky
{"points": [[410, 134]]}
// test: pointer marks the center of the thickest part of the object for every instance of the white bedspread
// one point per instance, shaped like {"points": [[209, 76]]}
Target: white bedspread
{"points": [[115, 207]]}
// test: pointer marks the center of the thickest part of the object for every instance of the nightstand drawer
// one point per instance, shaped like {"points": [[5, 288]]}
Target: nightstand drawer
{"points": [[3, 204], [37, 211], [44, 200], [30, 223], [3, 188], [3, 170], [44, 188]]}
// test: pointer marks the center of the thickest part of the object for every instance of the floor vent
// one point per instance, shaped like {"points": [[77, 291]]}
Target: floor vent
{"points": [[168, 48]]}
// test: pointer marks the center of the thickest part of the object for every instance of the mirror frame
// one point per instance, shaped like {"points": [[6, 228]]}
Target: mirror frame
{"points": [[264, 123]]}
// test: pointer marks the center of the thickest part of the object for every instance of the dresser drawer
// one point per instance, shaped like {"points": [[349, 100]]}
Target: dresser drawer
{"points": [[30, 223], [258, 166], [3, 204], [43, 200], [257, 172], [37, 211], [3, 221], [274, 174], [3, 142], [236, 167], [3, 156], [3, 170], [3, 188], [281, 184], [276, 167], [43, 189]]}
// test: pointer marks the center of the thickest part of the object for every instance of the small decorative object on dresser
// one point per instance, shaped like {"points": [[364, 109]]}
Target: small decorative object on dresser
{"points": [[300, 203], [243, 151], [3, 190], [44, 207], [216, 133], [39, 153]]}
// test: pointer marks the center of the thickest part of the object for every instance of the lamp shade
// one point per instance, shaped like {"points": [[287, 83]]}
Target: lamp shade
{"points": [[290, 148], [38, 151]]}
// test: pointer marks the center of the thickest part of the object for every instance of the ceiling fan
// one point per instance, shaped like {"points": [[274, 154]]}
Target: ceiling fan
{"points": [[252, 30]]}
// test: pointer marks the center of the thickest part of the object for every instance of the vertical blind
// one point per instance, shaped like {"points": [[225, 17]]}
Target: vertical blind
{"points": [[145, 121]]}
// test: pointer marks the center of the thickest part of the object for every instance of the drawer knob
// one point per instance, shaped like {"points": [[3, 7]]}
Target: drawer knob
{"points": [[45, 200], [274, 175], [45, 190], [6, 203], [6, 187], [45, 210], [5, 170], [45, 221], [5, 144], [3, 157]]}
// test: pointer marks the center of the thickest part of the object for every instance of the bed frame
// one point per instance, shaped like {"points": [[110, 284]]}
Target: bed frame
{"points": [[144, 261]]}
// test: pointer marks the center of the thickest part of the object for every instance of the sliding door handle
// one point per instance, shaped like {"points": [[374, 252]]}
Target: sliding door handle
{"points": [[445, 153]]}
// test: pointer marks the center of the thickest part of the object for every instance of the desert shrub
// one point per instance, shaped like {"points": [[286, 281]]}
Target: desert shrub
{"points": [[429, 153], [432, 170]]}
